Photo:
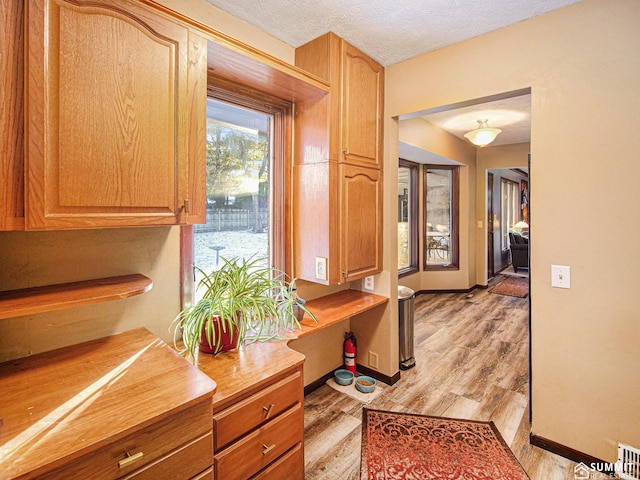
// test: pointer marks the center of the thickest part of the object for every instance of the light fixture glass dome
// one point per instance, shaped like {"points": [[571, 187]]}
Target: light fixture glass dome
{"points": [[483, 135]]}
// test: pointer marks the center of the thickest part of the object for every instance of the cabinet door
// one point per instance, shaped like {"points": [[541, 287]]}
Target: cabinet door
{"points": [[361, 223], [116, 95], [11, 115], [362, 101]]}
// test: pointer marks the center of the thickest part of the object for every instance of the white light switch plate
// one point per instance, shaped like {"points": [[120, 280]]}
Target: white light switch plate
{"points": [[560, 276]]}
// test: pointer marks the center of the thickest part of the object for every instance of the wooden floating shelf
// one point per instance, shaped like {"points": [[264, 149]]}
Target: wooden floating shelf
{"points": [[29, 301], [334, 308]]}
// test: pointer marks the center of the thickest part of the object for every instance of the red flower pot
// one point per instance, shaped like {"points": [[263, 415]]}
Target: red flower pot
{"points": [[228, 338]]}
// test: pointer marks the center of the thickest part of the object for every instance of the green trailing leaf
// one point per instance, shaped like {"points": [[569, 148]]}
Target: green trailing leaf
{"points": [[244, 296]]}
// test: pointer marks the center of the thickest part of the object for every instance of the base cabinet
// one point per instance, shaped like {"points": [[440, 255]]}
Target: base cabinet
{"points": [[258, 412], [113, 408], [255, 435]]}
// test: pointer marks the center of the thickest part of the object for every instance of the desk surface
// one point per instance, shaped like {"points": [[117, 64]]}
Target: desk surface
{"points": [[60, 405]]}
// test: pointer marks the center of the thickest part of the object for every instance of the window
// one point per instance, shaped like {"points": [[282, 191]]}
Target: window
{"points": [[510, 195], [238, 186], [247, 186], [407, 217], [441, 217]]}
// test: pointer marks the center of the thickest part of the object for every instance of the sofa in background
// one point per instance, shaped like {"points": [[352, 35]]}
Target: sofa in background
{"points": [[519, 251]]}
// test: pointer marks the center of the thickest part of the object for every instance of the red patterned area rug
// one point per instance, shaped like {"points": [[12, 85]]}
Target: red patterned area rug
{"points": [[409, 446], [512, 286]]}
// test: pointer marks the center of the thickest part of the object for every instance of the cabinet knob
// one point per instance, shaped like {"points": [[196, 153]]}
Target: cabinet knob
{"points": [[186, 206], [267, 449], [125, 462], [346, 151], [267, 410]]}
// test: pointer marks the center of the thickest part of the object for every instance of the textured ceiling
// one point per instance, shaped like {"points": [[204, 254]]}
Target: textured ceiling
{"points": [[388, 30]]}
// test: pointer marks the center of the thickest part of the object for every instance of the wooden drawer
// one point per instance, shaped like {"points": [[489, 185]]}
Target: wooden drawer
{"points": [[258, 449], [188, 461], [206, 475], [241, 418], [289, 466], [154, 442]]}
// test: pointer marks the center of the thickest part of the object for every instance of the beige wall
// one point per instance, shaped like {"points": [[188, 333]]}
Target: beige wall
{"points": [[30, 259], [583, 66]]}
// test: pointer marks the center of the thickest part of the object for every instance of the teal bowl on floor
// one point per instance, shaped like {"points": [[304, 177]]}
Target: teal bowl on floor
{"points": [[365, 384], [343, 376]]}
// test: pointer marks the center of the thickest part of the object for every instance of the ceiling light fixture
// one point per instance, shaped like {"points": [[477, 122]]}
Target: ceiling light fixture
{"points": [[483, 135]]}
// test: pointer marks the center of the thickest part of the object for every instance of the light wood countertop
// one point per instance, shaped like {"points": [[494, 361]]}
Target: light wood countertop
{"points": [[239, 371], [58, 406]]}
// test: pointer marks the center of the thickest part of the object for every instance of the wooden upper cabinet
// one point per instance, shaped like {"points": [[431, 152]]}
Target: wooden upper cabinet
{"points": [[116, 116], [355, 113], [337, 209], [361, 223], [362, 90], [11, 115]]}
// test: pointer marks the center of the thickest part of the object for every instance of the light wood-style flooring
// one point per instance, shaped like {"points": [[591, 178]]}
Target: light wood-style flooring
{"points": [[472, 353]]}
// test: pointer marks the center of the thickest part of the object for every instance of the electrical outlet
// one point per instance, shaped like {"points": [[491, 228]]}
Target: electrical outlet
{"points": [[373, 360], [560, 276], [368, 283], [321, 268]]}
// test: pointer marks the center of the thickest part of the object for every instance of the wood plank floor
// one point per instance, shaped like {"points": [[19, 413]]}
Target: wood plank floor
{"points": [[472, 354]]}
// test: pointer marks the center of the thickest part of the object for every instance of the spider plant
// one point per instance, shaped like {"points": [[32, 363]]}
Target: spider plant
{"points": [[244, 299]]}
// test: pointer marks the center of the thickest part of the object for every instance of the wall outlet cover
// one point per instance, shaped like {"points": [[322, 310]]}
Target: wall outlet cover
{"points": [[368, 283], [321, 268]]}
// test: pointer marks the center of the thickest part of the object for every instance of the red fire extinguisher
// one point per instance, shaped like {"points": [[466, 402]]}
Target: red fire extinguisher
{"points": [[350, 352]]}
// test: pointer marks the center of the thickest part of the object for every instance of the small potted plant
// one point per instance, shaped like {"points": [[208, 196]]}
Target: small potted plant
{"points": [[242, 302]]}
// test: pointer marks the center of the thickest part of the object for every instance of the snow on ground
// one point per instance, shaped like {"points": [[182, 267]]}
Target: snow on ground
{"points": [[234, 244]]}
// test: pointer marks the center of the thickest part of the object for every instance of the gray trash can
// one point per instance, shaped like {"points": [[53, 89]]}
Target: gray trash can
{"points": [[406, 307]]}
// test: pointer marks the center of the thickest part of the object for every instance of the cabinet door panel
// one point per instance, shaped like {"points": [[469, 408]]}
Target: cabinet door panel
{"points": [[11, 115], [362, 109], [112, 114], [107, 115], [361, 194]]}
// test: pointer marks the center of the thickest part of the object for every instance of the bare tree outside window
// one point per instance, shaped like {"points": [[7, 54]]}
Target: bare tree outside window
{"points": [[238, 186]]}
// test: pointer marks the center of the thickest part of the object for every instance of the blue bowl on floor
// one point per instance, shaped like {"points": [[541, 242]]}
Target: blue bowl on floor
{"points": [[343, 376], [365, 384]]}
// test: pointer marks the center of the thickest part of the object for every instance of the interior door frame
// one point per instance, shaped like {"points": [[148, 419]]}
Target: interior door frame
{"points": [[490, 256]]}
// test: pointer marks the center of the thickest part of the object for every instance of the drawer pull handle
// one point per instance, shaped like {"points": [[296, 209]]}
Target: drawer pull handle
{"points": [[268, 449], [267, 410], [125, 462]]}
